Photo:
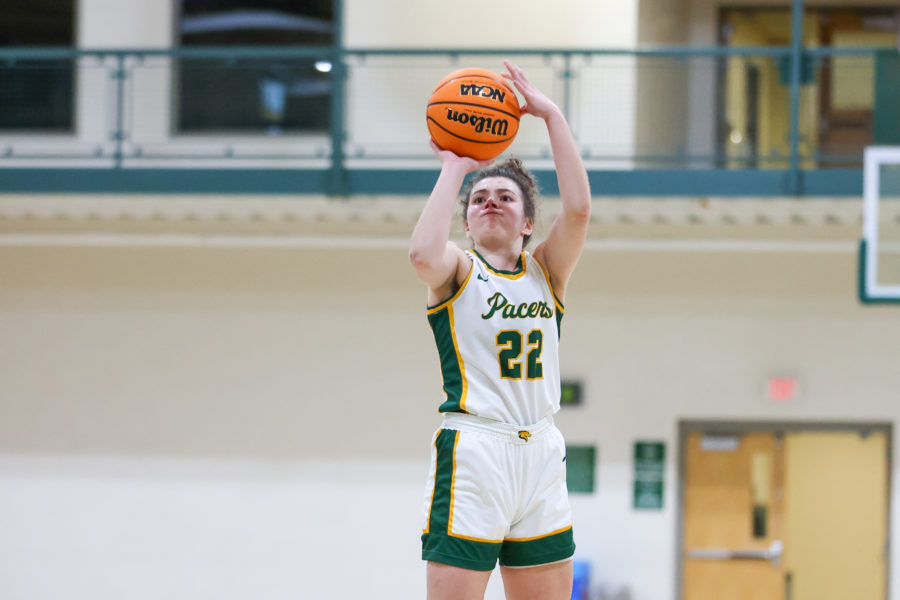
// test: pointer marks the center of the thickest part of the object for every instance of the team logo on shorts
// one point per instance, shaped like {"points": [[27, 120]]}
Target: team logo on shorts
{"points": [[524, 435]]}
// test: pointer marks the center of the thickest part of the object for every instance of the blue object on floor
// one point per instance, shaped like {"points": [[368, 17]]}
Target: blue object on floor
{"points": [[581, 580]]}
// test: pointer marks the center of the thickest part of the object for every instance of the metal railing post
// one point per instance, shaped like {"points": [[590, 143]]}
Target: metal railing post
{"points": [[119, 133], [337, 179], [794, 183], [567, 85]]}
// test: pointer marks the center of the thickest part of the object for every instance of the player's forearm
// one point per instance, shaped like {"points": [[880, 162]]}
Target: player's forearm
{"points": [[432, 230], [574, 188]]}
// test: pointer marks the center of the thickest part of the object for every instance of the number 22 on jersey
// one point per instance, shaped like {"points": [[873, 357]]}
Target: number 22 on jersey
{"points": [[511, 342]]}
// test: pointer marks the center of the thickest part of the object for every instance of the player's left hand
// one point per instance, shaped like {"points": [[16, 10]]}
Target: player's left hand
{"points": [[536, 102]]}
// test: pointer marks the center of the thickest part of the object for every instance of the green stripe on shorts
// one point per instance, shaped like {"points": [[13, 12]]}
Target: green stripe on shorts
{"points": [[439, 515], [540, 551], [438, 545]]}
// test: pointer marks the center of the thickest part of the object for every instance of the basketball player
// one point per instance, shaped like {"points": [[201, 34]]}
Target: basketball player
{"points": [[497, 489]]}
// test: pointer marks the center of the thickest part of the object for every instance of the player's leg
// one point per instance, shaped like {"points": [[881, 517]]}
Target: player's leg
{"points": [[536, 555], [446, 582], [464, 514], [545, 582]]}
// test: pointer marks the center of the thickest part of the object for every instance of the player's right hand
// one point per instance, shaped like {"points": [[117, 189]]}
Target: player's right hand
{"points": [[447, 158]]}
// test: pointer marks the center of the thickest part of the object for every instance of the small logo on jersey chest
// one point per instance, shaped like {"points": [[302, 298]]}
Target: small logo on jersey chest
{"points": [[482, 277], [524, 435]]}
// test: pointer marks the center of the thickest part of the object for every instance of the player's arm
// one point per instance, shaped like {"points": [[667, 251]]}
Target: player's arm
{"points": [[559, 253], [438, 262]]}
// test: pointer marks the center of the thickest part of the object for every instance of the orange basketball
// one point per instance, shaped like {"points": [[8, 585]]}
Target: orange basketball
{"points": [[474, 113]]}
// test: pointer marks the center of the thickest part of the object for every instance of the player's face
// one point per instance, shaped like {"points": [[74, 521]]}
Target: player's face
{"points": [[496, 211]]}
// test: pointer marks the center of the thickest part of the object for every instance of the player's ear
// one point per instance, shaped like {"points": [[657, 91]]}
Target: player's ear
{"points": [[527, 228]]}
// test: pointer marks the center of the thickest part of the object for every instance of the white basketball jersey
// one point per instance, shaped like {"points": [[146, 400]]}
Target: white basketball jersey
{"points": [[498, 340]]}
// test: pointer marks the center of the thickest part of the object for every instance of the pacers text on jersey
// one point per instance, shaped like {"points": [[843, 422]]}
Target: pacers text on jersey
{"points": [[525, 310]]}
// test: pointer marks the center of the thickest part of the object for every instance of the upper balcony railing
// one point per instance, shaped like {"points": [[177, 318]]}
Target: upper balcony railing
{"points": [[722, 121]]}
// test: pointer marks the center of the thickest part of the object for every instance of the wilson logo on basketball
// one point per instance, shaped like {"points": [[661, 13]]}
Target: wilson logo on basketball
{"points": [[485, 91], [480, 124], [473, 113]]}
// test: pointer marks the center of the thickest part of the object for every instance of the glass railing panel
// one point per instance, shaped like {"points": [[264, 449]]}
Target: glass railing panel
{"points": [[219, 110], [53, 108], [676, 108]]}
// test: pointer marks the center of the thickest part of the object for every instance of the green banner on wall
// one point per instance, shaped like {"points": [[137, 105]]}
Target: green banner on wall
{"points": [[649, 470]]}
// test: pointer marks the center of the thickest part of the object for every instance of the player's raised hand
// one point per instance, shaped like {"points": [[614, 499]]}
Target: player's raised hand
{"points": [[448, 157], [536, 102]]}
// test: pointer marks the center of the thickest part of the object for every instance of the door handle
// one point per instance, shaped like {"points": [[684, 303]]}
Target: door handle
{"points": [[771, 554]]}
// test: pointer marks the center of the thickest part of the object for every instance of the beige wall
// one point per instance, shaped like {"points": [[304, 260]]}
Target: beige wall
{"points": [[219, 419], [498, 24], [662, 22]]}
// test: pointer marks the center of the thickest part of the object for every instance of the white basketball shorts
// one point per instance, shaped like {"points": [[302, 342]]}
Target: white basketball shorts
{"points": [[497, 491]]}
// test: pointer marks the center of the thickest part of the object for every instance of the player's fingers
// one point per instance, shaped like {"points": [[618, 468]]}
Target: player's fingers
{"points": [[515, 70]]}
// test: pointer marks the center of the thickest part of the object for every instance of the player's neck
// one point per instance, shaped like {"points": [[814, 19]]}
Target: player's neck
{"points": [[502, 259]]}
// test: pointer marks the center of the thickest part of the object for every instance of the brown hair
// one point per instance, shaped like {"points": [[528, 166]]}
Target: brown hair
{"points": [[513, 169]]}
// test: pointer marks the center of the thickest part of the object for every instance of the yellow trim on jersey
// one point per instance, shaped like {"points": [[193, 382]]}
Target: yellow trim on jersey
{"points": [[537, 537], [559, 305], [433, 309], [505, 274], [459, 359]]}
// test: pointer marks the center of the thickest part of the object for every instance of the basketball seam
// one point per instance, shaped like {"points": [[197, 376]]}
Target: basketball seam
{"points": [[430, 104], [467, 139]]}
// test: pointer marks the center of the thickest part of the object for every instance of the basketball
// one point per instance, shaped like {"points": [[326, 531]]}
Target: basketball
{"points": [[474, 113]]}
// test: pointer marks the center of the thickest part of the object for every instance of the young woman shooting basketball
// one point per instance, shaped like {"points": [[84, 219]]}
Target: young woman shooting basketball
{"points": [[497, 489]]}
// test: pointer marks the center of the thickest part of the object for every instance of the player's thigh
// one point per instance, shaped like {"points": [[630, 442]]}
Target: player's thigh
{"points": [[544, 582], [446, 582]]}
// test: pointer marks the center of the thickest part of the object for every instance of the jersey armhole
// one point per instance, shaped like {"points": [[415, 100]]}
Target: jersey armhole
{"points": [[559, 304], [443, 304]]}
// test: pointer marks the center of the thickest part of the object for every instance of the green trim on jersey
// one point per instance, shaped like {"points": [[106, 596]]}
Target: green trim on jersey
{"points": [[559, 316], [456, 294], [520, 265], [559, 304], [451, 362], [560, 309], [539, 551]]}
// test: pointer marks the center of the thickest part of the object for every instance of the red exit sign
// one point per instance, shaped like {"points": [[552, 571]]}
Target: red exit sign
{"points": [[783, 388]]}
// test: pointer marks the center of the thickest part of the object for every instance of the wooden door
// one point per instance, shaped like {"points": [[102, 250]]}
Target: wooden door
{"points": [[733, 517], [836, 515], [801, 515]]}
